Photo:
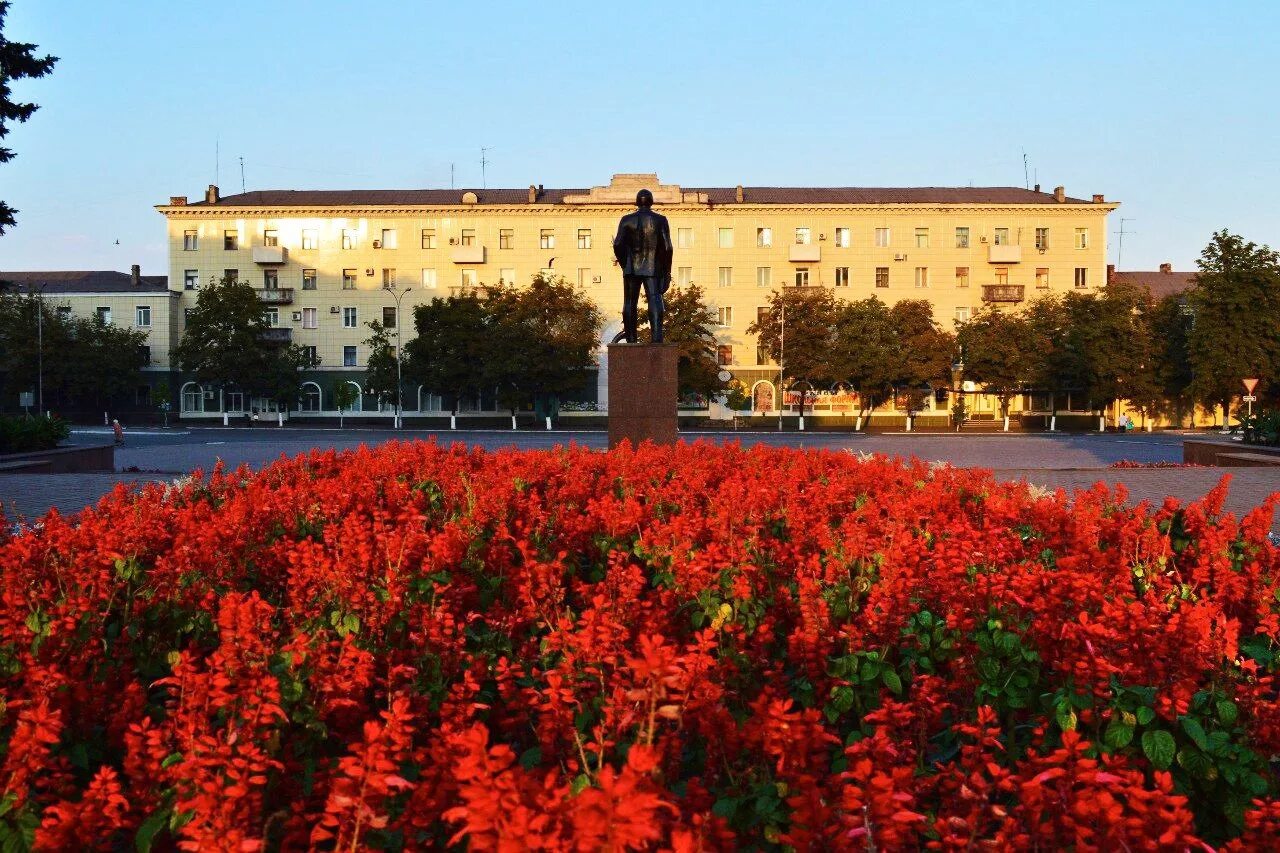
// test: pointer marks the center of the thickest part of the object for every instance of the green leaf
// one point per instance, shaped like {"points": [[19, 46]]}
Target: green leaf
{"points": [[1159, 748], [1227, 711], [171, 759], [150, 827], [531, 757], [1195, 731], [892, 681], [1118, 733], [352, 623], [579, 783], [1066, 717], [1145, 715]]}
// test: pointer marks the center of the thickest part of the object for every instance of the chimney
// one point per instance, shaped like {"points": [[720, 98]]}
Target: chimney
{"points": [[1037, 188], [1111, 272], [1166, 268], [738, 194], [177, 201], [1098, 199], [533, 193], [135, 273], [1059, 194], [211, 194]]}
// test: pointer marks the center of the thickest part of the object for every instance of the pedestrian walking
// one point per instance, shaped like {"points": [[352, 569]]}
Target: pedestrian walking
{"points": [[119, 430]]}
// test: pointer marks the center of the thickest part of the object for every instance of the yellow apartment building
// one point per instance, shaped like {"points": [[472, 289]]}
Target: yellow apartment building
{"points": [[327, 262]]}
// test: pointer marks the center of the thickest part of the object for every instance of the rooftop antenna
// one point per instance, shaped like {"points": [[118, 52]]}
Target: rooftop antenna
{"points": [[217, 161], [1026, 179], [242, 174], [1121, 233], [450, 176], [483, 162]]}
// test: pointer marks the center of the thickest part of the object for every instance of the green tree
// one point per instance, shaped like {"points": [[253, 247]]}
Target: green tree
{"points": [[1236, 306], [380, 377], [1171, 322], [866, 352], [1106, 345], [225, 343], [451, 354], [998, 348], [689, 324], [544, 340], [798, 331], [17, 62], [345, 396], [925, 350], [1048, 371]]}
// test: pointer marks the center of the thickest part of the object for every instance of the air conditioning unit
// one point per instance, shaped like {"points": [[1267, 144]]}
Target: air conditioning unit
{"points": [[1043, 249], [377, 244], [333, 309], [453, 241], [822, 237], [297, 316], [983, 238], [368, 270], [899, 257]]}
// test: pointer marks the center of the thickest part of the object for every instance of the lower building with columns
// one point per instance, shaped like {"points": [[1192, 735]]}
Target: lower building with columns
{"points": [[324, 261]]}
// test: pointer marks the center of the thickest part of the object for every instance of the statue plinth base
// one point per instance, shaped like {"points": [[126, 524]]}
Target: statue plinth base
{"points": [[643, 393]]}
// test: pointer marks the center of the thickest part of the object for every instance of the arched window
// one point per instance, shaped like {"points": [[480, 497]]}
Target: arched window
{"points": [[428, 402], [358, 405], [762, 396], [311, 399], [192, 397]]}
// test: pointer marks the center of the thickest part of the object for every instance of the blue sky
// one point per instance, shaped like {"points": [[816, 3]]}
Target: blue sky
{"points": [[1167, 107]]}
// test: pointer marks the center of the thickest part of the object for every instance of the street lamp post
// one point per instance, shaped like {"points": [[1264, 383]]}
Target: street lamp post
{"points": [[782, 352], [399, 384], [31, 289]]}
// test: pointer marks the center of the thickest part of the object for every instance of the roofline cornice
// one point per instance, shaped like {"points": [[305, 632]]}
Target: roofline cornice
{"points": [[186, 212]]}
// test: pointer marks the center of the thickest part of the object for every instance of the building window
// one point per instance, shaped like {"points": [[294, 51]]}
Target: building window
{"points": [[1082, 276], [348, 279], [725, 278], [1002, 275], [389, 238], [310, 240], [350, 318], [468, 237], [270, 237], [882, 276], [232, 275], [962, 238], [64, 312], [684, 276], [142, 315], [1082, 238], [724, 238], [922, 238], [842, 276], [469, 281], [764, 276], [190, 279], [584, 276], [1002, 236], [1042, 238], [962, 276], [803, 236], [724, 355], [348, 356], [584, 238], [144, 355], [724, 317], [308, 279], [962, 315], [507, 275], [310, 358], [310, 318], [190, 240], [882, 238], [546, 239], [230, 240], [764, 237], [428, 278], [104, 315], [428, 238], [389, 278], [684, 238], [802, 276], [505, 238], [273, 316], [348, 239], [270, 280], [922, 276], [388, 316], [1042, 278]]}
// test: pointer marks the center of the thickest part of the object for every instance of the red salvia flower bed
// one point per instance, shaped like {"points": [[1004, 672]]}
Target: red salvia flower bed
{"points": [[698, 648]]}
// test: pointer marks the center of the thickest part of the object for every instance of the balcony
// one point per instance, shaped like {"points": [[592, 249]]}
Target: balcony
{"points": [[277, 335], [1002, 292], [276, 296], [1005, 254], [805, 253], [468, 254], [270, 254]]}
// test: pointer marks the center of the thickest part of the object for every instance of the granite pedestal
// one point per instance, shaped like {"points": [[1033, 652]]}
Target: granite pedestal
{"points": [[642, 393]]}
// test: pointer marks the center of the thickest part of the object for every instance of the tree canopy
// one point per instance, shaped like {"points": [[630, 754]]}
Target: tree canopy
{"points": [[866, 352], [453, 350], [689, 324], [798, 331], [18, 61], [998, 347]]}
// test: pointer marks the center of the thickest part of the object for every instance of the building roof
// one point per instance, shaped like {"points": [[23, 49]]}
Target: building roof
{"points": [[83, 281], [1160, 283], [713, 195]]}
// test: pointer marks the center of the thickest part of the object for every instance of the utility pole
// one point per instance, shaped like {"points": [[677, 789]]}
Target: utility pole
{"points": [[1121, 233], [483, 162], [399, 382], [242, 174], [782, 352]]}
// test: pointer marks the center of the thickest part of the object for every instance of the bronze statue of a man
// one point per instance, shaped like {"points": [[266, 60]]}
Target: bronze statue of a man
{"points": [[643, 249]]}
